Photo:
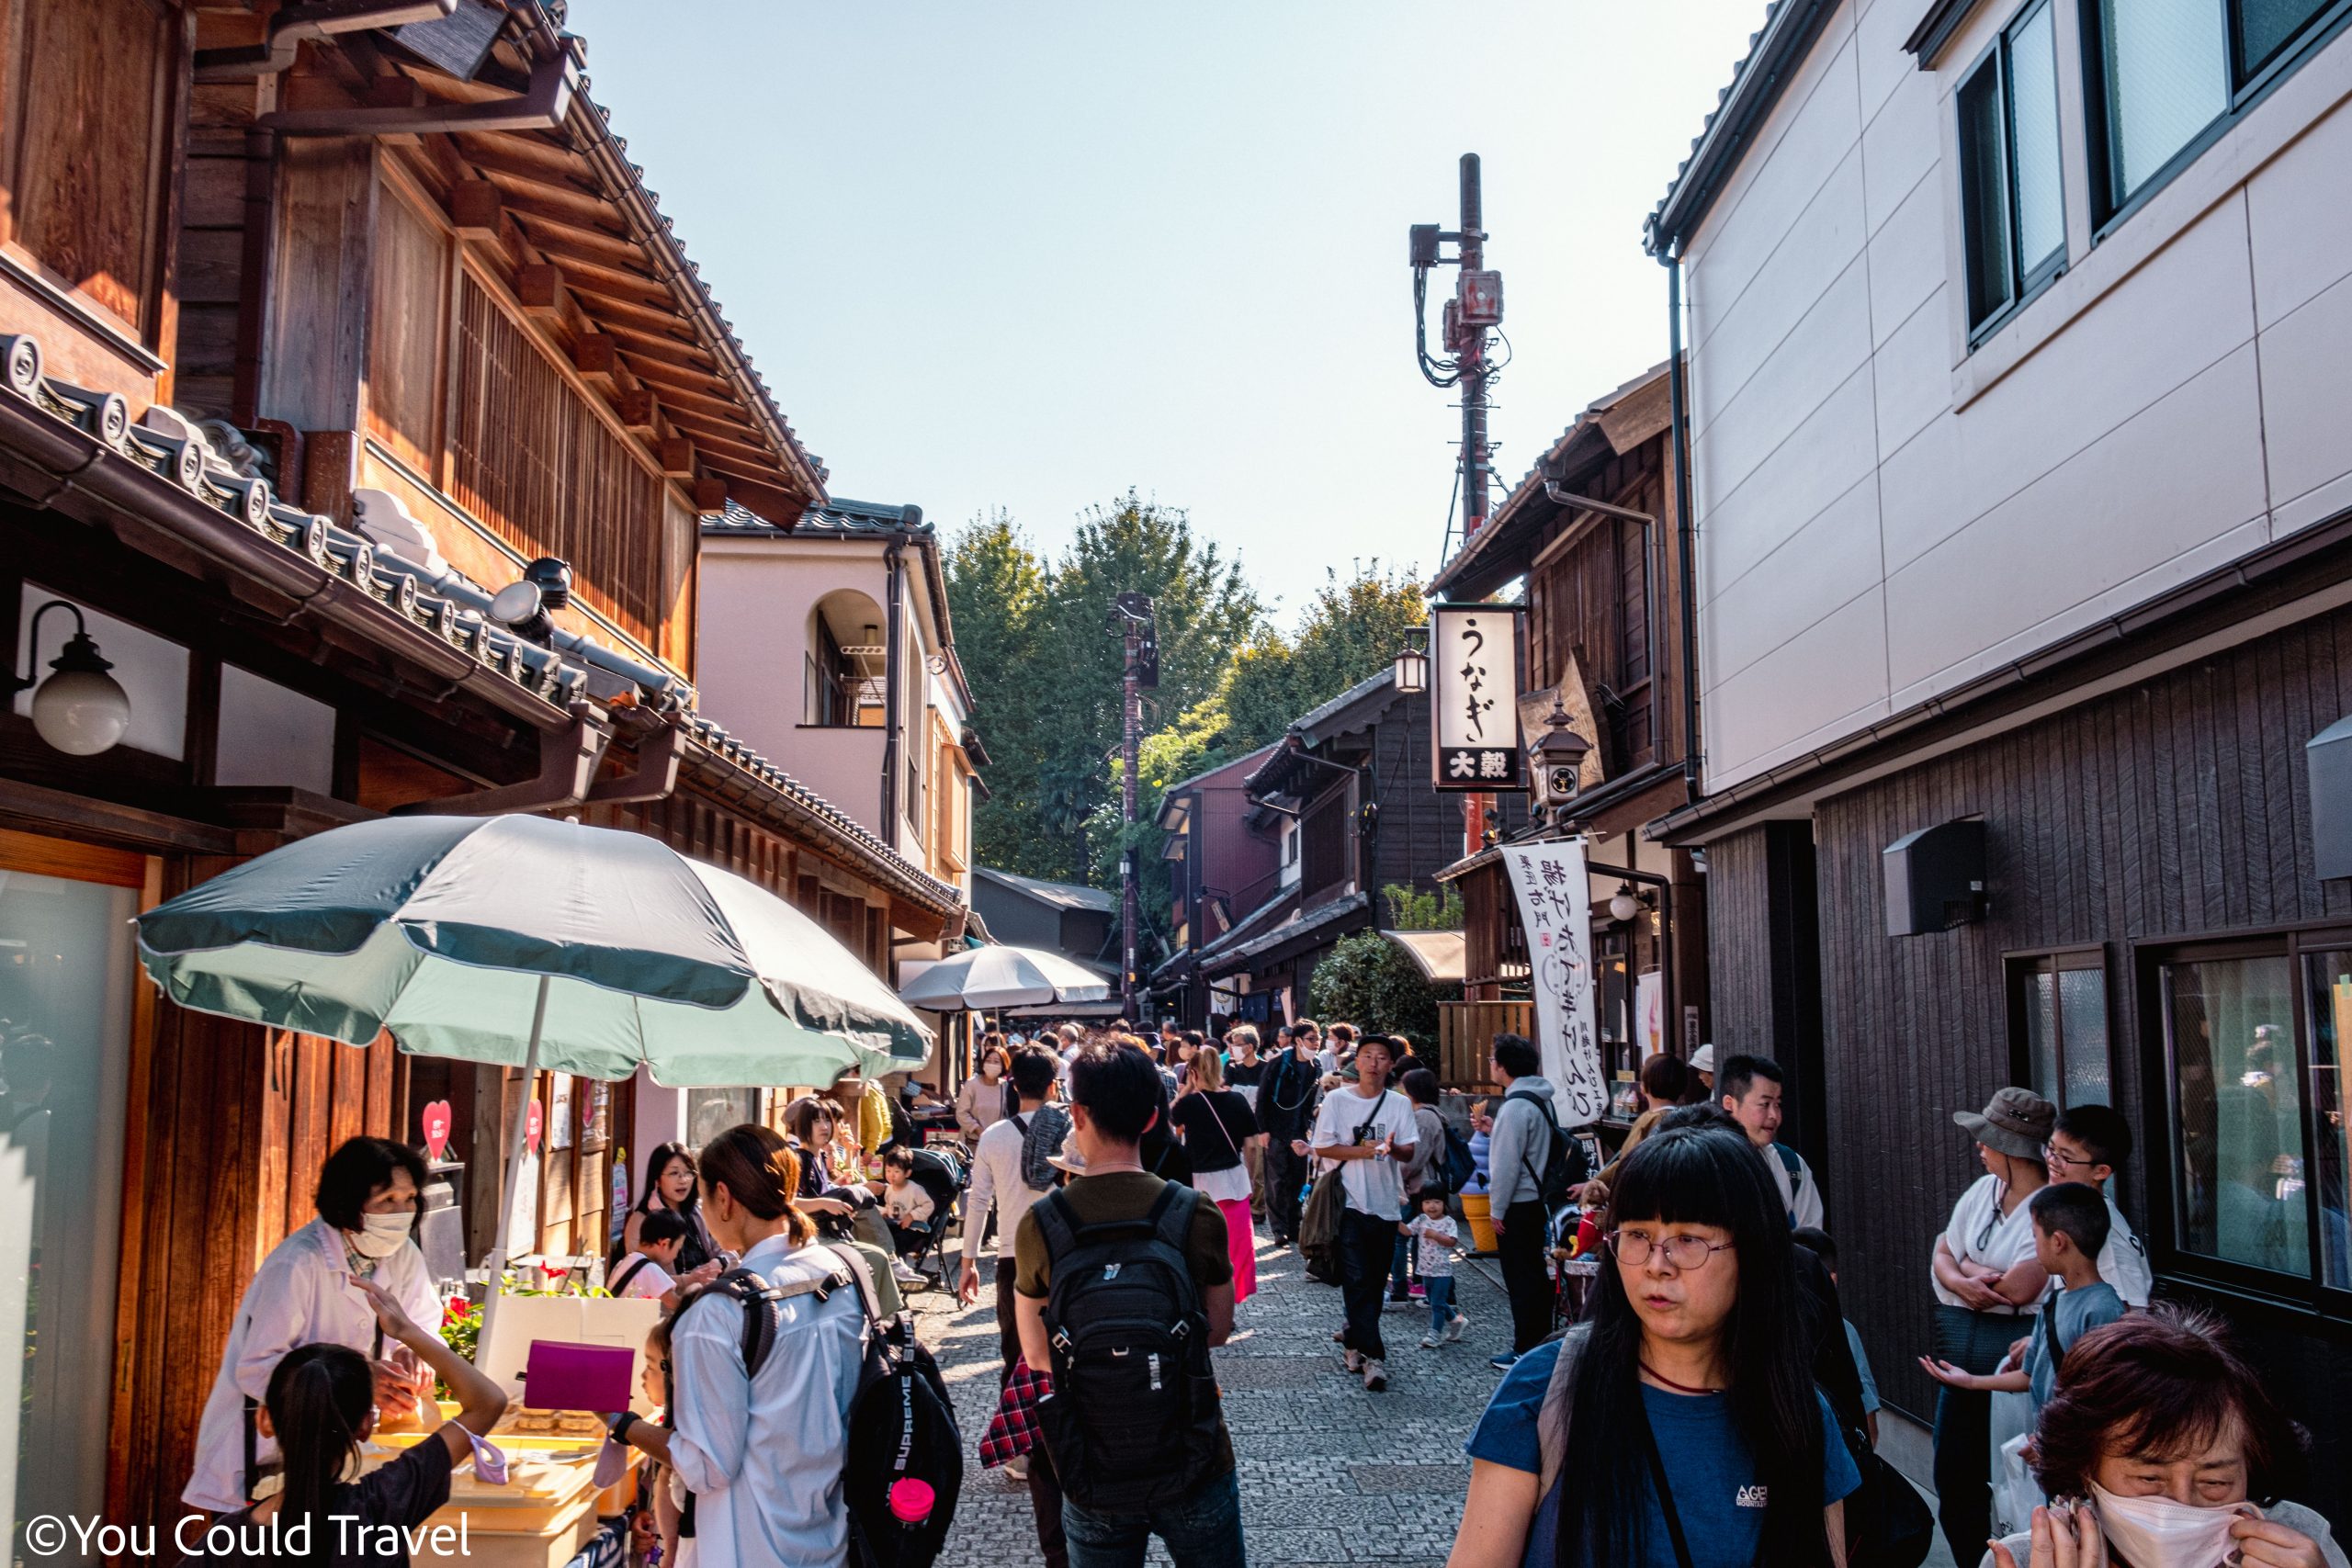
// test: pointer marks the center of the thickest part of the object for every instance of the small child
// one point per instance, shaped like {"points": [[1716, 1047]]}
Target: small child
{"points": [[903, 1203], [1817, 1241], [658, 1482], [1434, 1241], [2069, 1225], [645, 1272]]}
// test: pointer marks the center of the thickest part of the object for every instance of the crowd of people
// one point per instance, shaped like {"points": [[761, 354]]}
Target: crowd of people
{"points": [[1708, 1404]]}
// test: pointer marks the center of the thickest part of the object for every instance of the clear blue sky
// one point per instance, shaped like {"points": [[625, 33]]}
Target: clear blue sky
{"points": [[1023, 256]]}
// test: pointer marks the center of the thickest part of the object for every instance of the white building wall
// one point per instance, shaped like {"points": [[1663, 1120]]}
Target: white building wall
{"points": [[1884, 514]]}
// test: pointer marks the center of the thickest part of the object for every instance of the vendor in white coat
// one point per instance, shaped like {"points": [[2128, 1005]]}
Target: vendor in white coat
{"points": [[303, 1294]]}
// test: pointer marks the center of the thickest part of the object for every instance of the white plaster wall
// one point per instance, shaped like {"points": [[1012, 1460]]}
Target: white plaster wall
{"points": [[1884, 514]]}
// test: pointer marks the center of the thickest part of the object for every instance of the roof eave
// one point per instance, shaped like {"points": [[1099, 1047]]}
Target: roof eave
{"points": [[1782, 44]]}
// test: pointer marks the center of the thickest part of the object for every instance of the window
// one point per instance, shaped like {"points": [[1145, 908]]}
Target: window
{"points": [[2163, 73], [2058, 1041], [2013, 208], [2236, 1090], [2329, 975]]}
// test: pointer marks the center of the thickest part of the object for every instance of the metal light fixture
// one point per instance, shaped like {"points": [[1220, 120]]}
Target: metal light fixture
{"points": [[522, 606], [1413, 663], [1623, 905], [81, 710], [1559, 759]]}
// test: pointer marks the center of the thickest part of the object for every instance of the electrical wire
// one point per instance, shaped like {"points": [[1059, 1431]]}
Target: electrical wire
{"points": [[1438, 372]]}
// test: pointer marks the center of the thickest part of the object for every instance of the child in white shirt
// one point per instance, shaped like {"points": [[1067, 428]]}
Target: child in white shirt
{"points": [[646, 1272], [1434, 1239]]}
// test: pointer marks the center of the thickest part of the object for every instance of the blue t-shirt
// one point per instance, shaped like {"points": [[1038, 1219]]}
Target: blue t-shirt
{"points": [[1707, 1464], [2077, 1313]]}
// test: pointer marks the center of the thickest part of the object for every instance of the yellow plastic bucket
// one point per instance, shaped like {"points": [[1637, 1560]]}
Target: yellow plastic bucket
{"points": [[1482, 1223]]}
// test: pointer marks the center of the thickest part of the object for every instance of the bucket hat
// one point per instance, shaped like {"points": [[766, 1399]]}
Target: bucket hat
{"points": [[2016, 1121]]}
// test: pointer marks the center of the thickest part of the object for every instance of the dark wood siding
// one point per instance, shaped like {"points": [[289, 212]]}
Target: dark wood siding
{"points": [[2177, 807]]}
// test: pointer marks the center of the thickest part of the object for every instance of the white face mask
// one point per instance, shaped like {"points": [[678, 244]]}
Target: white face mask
{"points": [[2156, 1532], [382, 1234]]}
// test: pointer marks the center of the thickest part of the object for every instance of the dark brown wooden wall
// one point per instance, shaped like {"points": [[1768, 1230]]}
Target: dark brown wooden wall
{"points": [[2173, 808]]}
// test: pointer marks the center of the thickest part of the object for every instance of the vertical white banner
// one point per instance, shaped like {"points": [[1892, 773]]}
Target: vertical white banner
{"points": [[1474, 697], [1555, 908], [1649, 1014]]}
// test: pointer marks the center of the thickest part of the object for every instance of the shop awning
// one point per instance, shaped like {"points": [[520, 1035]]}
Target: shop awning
{"points": [[1443, 956]]}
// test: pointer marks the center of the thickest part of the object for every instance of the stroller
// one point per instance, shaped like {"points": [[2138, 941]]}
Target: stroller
{"points": [[943, 1175]]}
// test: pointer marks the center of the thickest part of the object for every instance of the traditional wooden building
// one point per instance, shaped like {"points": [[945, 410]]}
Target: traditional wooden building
{"points": [[1591, 537], [2018, 375], [315, 332], [1224, 861], [1348, 799]]}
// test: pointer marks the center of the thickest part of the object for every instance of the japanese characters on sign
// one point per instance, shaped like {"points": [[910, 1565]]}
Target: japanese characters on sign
{"points": [[1554, 907], [1474, 697]]}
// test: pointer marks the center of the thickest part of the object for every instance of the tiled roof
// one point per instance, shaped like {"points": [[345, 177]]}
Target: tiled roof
{"points": [[837, 518], [1774, 52], [1061, 895], [1227, 957], [168, 447]]}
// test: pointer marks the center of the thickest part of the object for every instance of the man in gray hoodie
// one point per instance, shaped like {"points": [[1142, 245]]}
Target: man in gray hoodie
{"points": [[1520, 1152]]}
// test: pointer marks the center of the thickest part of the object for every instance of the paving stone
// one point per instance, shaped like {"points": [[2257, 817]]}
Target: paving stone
{"points": [[1329, 1473]]}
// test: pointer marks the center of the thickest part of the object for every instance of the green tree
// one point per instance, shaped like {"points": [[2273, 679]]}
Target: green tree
{"points": [[1051, 688], [1370, 982], [997, 596], [1350, 631]]}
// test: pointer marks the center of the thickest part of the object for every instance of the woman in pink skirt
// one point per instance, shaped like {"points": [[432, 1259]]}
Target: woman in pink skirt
{"points": [[1216, 1124]]}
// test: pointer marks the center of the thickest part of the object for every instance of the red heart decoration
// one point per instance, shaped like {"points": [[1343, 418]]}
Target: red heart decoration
{"points": [[436, 1123], [532, 1121]]}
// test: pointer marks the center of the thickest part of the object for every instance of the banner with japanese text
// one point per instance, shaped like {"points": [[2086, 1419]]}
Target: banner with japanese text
{"points": [[1474, 697], [1555, 908]]}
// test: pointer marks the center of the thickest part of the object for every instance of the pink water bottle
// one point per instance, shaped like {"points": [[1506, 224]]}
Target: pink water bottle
{"points": [[911, 1502]]}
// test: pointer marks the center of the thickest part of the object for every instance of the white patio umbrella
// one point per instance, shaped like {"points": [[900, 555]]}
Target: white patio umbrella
{"points": [[452, 932], [999, 977]]}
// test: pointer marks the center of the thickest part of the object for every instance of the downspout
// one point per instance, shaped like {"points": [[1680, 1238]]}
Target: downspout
{"points": [[1693, 777], [893, 742]]}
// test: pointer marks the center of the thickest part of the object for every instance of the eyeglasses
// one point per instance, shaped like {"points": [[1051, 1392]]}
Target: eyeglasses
{"points": [[1633, 1250], [2058, 1159]]}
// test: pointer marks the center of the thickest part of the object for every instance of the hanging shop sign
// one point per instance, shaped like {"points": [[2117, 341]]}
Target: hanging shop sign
{"points": [[1474, 693], [1555, 909]]}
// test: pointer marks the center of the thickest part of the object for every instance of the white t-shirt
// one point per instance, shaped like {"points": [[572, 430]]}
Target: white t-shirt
{"points": [[1979, 1233], [2124, 1262], [645, 1277], [1373, 1186]]}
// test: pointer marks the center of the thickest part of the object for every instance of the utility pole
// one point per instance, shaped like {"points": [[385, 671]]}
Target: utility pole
{"points": [[1131, 617], [1472, 316]]}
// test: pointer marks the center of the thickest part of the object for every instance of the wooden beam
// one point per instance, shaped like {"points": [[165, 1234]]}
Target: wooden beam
{"points": [[539, 288], [474, 205], [638, 411], [528, 158], [568, 242], [588, 277], [686, 389], [595, 358], [651, 318], [731, 452], [775, 505], [564, 203], [683, 351], [676, 456], [710, 496]]}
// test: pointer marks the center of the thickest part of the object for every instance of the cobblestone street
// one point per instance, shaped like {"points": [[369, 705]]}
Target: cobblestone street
{"points": [[1330, 1474]]}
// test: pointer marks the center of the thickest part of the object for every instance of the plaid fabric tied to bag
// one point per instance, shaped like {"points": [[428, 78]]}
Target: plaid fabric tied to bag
{"points": [[1014, 1430]]}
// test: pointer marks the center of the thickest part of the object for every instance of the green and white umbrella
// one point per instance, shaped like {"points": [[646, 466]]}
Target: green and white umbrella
{"points": [[520, 941]]}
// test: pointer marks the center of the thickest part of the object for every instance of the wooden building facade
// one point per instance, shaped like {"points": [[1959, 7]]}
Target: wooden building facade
{"points": [[307, 346], [1347, 798], [1592, 534]]}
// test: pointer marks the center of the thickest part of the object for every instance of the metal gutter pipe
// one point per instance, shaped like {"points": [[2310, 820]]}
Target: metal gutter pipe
{"points": [[1678, 402], [893, 742]]}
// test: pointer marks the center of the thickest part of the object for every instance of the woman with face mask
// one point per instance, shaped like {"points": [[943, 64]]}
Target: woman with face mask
{"points": [[979, 1104], [2165, 1450], [303, 1294]]}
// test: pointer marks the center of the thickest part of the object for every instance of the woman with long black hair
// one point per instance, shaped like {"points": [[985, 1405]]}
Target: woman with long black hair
{"points": [[320, 1410], [1678, 1427], [670, 1183]]}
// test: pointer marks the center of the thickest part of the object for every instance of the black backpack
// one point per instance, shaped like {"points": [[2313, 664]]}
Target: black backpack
{"points": [[901, 1421], [1558, 1175], [1133, 1421]]}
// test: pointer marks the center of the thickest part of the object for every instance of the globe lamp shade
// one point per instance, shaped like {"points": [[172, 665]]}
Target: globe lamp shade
{"points": [[81, 712]]}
